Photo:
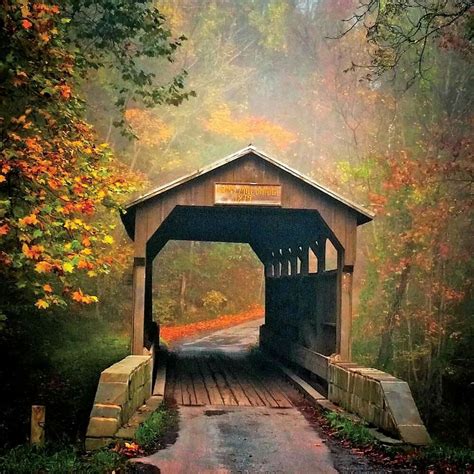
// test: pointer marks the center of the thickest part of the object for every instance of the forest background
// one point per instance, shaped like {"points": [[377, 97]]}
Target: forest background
{"points": [[279, 74]]}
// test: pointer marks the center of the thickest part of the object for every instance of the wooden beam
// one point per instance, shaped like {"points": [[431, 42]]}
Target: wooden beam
{"points": [[284, 263], [293, 259], [346, 317], [321, 254], [138, 323], [304, 257]]}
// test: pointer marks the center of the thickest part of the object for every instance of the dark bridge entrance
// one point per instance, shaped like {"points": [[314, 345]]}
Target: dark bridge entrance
{"points": [[288, 220]]}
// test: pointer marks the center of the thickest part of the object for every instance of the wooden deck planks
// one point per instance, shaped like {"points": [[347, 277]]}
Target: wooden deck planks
{"points": [[221, 380]]}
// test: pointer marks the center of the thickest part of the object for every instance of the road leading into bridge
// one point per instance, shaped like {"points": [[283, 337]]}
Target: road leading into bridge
{"points": [[236, 415]]}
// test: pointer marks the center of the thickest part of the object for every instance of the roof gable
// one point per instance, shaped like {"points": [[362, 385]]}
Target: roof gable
{"points": [[363, 215]]}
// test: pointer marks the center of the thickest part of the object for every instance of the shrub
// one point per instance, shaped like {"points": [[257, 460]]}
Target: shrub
{"points": [[214, 301]]}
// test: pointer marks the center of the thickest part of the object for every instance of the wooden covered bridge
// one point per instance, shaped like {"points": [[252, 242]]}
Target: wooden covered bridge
{"points": [[293, 224]]}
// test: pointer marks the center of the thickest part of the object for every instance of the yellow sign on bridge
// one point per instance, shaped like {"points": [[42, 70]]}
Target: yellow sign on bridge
{"points": [[248, 194]]}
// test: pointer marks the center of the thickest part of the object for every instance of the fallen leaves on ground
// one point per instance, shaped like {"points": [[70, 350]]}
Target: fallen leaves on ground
{"points": [[176, 333]]}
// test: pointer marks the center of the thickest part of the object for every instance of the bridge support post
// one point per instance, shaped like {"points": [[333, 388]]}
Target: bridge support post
{"points": [[138, 315], [346, 315]]}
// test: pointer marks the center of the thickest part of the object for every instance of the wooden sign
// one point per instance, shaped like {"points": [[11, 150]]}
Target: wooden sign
{"points": [[248, 194]]}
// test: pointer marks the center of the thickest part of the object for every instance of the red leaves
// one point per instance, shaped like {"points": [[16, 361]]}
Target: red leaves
{"points": [[26, 24]]}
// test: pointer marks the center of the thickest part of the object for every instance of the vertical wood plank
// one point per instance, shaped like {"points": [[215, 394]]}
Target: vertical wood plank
{"points": [[38, 417]]}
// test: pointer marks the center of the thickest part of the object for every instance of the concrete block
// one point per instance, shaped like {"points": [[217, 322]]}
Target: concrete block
{"points": [[414, 434], [92, 444], [102, 427], [342, 378], [106, 411], [147, 388], [113, 393], [400, 402]]}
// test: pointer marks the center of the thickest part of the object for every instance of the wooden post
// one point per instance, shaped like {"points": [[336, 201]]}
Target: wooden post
{"points": [[284, 263], [38, 416], [304, 257], [138, 323], [321, 254], [276, 266], [344, 308], [346, 316], [268, 268], [293, 259], [150, 326]]}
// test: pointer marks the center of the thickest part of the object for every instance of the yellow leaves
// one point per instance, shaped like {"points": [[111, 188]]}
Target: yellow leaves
{"points": [[108, 239], [28, 220], [2, 178], [68, 267], [43, 267], [80, 297], [73, 224], [150, 130], [248, 128], [42, 304]]}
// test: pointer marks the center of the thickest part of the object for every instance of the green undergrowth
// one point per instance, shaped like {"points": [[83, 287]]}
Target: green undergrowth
{"points": [[162, 421], [439, 456], [59, 458], [358, 433]]}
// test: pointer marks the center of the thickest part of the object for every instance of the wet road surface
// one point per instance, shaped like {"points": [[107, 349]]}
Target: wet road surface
{"points": [[217, 438]]}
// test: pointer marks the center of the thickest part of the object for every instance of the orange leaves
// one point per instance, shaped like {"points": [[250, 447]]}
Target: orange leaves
{"points": [[47, 288], [4, 229], [175, 333], [34, 252], [65, 91], [28, 220], [248, 128], [80, 297], [43, 267]]}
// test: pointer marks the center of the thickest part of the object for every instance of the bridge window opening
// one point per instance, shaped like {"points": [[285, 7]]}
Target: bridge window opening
{"points": [[298, 265], [331, 256], [312, 261]]}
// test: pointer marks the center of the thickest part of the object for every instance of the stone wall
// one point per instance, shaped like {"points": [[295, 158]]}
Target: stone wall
{"points": [[123, 387], [379, 398]]}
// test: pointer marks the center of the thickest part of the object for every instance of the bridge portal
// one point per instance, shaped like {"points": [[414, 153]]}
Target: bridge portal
{"points": [[288, 220]]}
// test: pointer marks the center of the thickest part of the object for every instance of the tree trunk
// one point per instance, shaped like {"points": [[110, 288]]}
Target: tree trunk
{"points": [[182, 295]]}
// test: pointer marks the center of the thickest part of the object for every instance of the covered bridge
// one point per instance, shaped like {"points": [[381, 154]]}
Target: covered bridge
{"points": [[288, 220]]}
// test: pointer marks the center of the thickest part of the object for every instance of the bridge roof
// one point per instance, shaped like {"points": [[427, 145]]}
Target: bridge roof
{"points": [[363, 215]]}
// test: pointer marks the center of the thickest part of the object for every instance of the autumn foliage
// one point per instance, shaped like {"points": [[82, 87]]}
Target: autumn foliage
{"points": [[54, 177], [172, 334]]}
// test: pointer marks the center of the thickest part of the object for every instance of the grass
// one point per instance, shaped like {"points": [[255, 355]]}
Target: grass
{"points": [[357, 433], [156, 426], [439, 456], [58, 460]]}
